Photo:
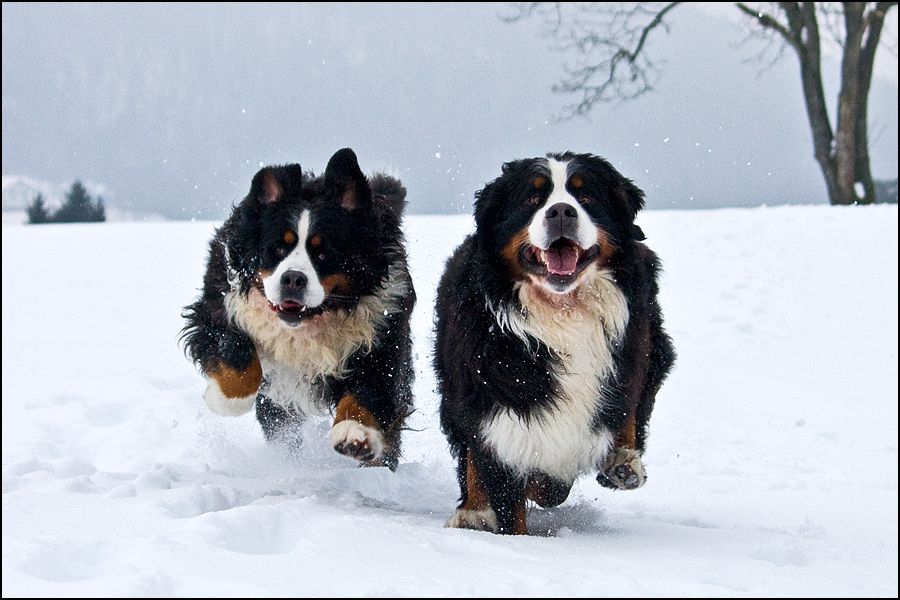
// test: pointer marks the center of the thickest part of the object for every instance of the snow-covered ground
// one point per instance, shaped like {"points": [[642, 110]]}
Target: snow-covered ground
{"points": [[772, 458]]}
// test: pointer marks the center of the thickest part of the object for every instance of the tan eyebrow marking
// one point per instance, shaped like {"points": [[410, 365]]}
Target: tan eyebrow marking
{"points": [[289, 237]]}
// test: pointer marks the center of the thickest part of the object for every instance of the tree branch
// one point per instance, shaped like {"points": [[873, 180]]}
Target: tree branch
{"points": [[768, 22], [612, 41]]}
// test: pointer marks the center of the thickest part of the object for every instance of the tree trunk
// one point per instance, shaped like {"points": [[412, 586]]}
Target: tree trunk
{"points": [[874, 22], [803, 35], [842, 154], [850, 101]]}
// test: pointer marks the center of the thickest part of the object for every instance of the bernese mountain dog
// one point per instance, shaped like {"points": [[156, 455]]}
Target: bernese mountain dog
{"points": [[550, 345], [305, 308]]}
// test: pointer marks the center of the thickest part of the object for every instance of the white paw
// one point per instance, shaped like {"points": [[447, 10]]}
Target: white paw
{"points": [[356, 440], [622, 470], [480, 520], [221, 404]]}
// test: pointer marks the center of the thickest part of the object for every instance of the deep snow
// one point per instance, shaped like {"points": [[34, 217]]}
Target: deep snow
{"points": [[772, 459]]}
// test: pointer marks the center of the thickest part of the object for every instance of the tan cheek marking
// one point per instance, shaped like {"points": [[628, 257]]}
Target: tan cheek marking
{"points": [[289, 237], [607, 248], [315, 241], [349, 408], [510, 254], [336, 284], [238, 384]]}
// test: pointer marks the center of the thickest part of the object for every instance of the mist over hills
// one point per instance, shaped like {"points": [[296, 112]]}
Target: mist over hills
{"points": [[172, 108]]}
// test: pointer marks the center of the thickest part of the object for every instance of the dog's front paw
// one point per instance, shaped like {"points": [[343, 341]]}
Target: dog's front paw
{"points": [[622, 470], [229, 406], [479, 520], [357, 440]]}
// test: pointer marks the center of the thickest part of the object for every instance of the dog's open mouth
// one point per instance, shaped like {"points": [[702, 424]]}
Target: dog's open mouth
{"points": [[560, 263], [292, 312]]}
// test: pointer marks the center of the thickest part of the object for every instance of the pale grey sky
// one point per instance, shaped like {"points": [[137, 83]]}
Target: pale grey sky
{"points": [[173, 108]]}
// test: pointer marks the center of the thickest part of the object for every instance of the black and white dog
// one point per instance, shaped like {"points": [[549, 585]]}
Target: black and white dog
{"points": [[306, 305], [550, 345]]}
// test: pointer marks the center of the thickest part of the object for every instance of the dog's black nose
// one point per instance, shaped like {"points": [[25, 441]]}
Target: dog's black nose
{"points": [[293, 281], [562, 220]]}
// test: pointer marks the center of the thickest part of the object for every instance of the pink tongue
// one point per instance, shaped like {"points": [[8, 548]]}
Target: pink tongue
{"points": [[562, 261]]}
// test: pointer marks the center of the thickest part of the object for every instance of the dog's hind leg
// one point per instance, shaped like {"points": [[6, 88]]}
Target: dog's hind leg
{"points": [[547, 491], [278, 424]]}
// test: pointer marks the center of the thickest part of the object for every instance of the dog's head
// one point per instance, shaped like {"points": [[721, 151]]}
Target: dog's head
{"points": [[554, 221], [307, 243]]}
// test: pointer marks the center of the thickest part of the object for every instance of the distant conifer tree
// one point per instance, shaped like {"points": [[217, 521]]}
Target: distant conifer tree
{"points": [[79, 207], [37, 212]]}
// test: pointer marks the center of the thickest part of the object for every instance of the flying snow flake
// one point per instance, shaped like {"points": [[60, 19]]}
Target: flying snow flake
{"points": [[437, 154], [859, 188], [243, 111], [665, 140]]}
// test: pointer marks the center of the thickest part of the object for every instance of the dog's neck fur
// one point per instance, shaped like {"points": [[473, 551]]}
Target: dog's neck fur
{"points": [[322, 346]]}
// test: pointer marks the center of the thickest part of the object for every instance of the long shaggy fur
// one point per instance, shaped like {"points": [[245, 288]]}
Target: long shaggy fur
{"points": [[341, 233], [547, 374]]}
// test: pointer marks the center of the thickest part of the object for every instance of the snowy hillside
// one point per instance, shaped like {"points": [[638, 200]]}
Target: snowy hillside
{"points": [[19, 192], [772, 459]]}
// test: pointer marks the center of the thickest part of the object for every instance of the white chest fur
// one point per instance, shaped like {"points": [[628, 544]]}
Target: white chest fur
{"points": [[296, 359], [562, 440]]}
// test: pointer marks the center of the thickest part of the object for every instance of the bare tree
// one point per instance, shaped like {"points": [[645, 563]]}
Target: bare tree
{"points": [[614, 64]]}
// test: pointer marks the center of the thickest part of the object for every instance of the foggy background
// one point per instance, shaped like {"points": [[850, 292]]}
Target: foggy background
{"points": [[171, 109]]}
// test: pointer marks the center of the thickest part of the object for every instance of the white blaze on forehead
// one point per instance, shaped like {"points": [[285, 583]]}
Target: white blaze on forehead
{"points": [[297, 260], [537, 229]]}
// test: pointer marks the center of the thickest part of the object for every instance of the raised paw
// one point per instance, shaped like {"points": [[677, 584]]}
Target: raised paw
{"points": [[623, 470], [479, 520], [357, 440], [227, 404]]}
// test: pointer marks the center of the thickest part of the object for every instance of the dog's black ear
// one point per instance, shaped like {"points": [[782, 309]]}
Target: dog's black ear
{"points": [[271, 184], [346, 182], [631, 197], [487, 202], [638, 233], [490, 199]]}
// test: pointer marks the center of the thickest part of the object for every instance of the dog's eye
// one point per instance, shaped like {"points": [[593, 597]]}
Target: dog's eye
{"points": [[281, 252], [533, 201], [586, 199], [321, 256]]}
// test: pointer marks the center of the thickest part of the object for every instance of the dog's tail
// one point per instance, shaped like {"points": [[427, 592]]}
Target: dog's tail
{"points": [[389, 192]]}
